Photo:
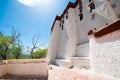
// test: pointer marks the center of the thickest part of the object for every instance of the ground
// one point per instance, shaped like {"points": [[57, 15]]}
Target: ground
{"points": [[58, 73]]}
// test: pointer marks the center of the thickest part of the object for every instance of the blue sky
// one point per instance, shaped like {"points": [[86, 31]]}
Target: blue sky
{"points": [[30, 17]]}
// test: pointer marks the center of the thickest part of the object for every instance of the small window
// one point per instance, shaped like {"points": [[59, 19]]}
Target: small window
{"points": [[81, 16], [67, 15], [92, 6], [81, 10], [63, 20], [62, 27]]}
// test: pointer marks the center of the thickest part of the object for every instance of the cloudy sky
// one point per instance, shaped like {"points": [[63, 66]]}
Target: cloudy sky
{"points": [[30, 17]]}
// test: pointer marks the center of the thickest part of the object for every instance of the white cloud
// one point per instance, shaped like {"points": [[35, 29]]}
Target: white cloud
{"points": [[31, 3], [44, 6]]}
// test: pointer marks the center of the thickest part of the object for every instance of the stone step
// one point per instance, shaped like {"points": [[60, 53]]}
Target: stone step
{"points": [[81, 62], [64, 63]]}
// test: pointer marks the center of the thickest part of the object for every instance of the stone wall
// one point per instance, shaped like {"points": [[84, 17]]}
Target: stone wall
{"points": [[25, 68], [105, 54]]}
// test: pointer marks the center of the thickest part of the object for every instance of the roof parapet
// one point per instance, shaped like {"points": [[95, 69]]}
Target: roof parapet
{"points": [[106, 30], [70, 5]]}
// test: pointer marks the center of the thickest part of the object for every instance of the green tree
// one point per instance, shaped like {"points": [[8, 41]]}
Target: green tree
{"points": [[15, 51], [41, 53], [6, 42]]}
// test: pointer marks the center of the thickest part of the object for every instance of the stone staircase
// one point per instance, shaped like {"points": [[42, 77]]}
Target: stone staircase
{"points": [[75, 62], [81, 62]]}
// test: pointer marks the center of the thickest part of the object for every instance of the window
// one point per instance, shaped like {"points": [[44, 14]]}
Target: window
{"points": [[63, 20], [61, 23], [92, 6], [81, 10], [62, 27], [67, 15], [81, 16]]}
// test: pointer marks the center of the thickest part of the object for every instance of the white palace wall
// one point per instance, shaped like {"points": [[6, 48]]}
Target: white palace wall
{"points": [[73, 40], [83, 50], [102, 17], [54, 43], [105, 54], [68, 36]]}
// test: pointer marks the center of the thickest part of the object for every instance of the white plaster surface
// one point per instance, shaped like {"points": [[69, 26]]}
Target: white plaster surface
{"points": [[68, 42], [83, 50], [105, 54], [64, 63], [54, 43], [68, 36], [102, 16], [81, 62]]}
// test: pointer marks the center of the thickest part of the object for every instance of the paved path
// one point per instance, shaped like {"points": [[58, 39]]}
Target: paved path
{"points": [[69, 74]]}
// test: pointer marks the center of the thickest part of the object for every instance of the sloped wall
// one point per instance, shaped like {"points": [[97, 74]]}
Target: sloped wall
{"points": [[54, 43], [68, 36]]}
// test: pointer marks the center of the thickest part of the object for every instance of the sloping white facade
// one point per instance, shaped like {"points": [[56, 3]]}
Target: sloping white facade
{"points": [[72, 40]]}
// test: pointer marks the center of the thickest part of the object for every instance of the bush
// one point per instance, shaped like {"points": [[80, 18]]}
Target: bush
{"points": [[40, 53]]}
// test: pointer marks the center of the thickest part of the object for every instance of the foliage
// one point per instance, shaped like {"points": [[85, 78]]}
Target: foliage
{"points": [[24, 56], [11, 47], [8, 43], [15, 52], [40, 53]]}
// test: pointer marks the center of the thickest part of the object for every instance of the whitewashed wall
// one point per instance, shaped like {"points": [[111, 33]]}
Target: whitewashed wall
{"points": [[102, 16], [83, 50], [105, 54], [54, 43], [68, 36], [63, 43]]}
